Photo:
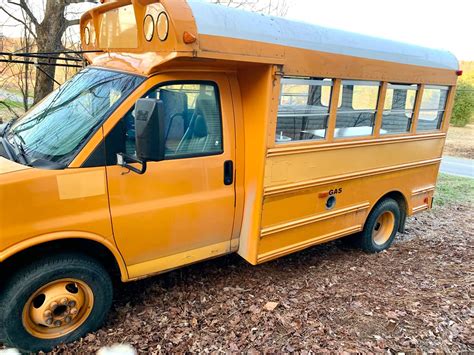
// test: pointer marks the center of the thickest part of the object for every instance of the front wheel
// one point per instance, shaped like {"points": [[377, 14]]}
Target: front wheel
{"points": [[381, 227], [54, 300]]}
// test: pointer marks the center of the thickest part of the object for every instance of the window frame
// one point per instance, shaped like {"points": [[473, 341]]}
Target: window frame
{"points": [[334, 109], [214, 84], [355, 82], [307, 81], [442, 119], [414, 116], [219, 106]]}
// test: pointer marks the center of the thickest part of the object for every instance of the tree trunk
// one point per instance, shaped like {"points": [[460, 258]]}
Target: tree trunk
{"points": [[49, 35]]}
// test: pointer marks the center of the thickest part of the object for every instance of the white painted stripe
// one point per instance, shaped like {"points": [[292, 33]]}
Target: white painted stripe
{"points": [[234, 23]]}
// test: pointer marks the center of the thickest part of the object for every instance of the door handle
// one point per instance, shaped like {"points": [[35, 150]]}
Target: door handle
{"points": [[228, 172]]}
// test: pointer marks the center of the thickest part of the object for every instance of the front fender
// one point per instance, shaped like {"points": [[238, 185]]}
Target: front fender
{"points": [[58, 236]]}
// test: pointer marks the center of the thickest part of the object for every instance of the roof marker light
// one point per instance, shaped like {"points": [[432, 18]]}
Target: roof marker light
{"points": [[189, 38], [458, 72]]}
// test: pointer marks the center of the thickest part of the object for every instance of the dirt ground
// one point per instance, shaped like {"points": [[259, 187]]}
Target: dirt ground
{"points": [[418, 296], [460, 142]]}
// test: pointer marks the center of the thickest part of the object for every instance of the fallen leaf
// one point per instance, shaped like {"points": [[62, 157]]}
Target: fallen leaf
{"points": [[270, 306]]}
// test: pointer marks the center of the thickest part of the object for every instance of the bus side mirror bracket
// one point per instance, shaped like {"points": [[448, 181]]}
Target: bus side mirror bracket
{"points": [[125, 160]]}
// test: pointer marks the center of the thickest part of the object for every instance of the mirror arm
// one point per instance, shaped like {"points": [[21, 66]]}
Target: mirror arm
{"points": [[123, 160]]}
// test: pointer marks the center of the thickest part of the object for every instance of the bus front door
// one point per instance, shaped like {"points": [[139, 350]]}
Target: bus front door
{"points": [[182, 209]]}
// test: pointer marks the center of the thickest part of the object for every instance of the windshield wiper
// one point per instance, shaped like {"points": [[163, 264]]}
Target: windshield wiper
{"points": [[6, 128], [19, 144]]}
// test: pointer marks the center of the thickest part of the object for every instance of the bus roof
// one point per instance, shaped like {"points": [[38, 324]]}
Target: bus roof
{"points": [[115, 34], [223, 21]]}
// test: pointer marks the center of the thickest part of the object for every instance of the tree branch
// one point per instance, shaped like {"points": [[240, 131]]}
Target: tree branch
{"points": [[25, 7], [18, 20], [9, 108], [69, 2]]}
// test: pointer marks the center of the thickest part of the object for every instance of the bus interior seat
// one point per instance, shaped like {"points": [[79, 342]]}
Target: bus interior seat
{"points": [[198, 137], [176, 116]]}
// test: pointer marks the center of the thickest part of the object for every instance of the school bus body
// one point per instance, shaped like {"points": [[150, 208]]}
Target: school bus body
{"points": [[279, 136], [278, 200], [280, 191]]}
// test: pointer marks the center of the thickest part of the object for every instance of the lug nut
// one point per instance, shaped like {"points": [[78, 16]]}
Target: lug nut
{"points": [[58, 323], [72, 304], [64, 301], [49, 321], [73, 311], [53, 306], [47, 314], [67, 319]]}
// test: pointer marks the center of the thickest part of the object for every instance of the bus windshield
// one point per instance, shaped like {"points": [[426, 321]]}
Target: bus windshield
{"points": [[59, 126]]}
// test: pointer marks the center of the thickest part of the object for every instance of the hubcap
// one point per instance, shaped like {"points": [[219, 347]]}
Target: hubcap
{"points": [[58, 308], [383, 228]]}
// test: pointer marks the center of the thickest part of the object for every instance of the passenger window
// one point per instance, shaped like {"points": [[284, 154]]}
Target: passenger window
{"points": [[193, 124], [432, 108], [356, 116], [398, 109], [304, 109]]}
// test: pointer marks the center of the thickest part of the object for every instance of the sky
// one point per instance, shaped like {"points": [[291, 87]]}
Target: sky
{"points": [[443, 24]]}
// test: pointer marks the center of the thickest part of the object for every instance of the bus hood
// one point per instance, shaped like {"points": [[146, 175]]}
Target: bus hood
{"points": [[8, 166]]}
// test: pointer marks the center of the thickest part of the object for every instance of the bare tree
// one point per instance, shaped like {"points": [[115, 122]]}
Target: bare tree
{"points": [[269, 7], [16, 80], [26, 72], [47, 33]]}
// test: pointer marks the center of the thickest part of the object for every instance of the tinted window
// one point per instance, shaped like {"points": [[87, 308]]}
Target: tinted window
{"points": [[356, 116], [432, 108], [398, 109], [304, 109]]}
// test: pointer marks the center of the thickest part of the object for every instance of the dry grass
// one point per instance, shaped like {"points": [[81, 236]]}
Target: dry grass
{"points": [[460, 142]]}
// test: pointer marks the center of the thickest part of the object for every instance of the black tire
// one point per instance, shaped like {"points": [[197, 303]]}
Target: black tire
{"points": [[368, 239], [28, 279]]}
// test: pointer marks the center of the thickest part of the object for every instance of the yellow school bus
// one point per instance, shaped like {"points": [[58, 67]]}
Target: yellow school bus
{"points": [[198, 131]]}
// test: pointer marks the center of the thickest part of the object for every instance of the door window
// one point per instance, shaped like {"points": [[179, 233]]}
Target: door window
{"points": [[193, 122]]}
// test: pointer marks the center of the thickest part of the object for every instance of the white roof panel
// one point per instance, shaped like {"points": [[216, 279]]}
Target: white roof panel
{"points": [[228, 22]]}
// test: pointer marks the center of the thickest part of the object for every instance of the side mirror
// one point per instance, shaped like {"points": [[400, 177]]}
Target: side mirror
{"points": [[149, 135]]}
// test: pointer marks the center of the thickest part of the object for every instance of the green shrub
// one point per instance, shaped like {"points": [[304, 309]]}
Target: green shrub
{"points": [[463, 111]]}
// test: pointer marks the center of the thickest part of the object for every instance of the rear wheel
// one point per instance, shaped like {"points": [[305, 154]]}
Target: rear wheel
{"points": [[54, 300], [381, 227]]}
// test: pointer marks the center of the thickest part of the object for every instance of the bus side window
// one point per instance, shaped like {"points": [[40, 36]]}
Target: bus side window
{"points": [[398, 109], [433, 105], [356, 117], [304, 109]]}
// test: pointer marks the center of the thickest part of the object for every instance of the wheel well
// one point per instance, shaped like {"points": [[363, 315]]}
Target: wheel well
{"points": [[402, 204], [82, 246]]}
